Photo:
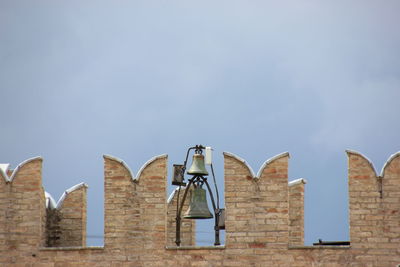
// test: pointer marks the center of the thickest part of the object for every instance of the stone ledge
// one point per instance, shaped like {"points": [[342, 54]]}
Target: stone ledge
{"points": [[195, 247], [70, 248], [319, 247]]}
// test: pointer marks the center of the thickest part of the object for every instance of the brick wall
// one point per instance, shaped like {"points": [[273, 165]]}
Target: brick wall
{"points": [[23, 211], [256, 207], [66, 220], [296, 212], [264, 224], [5, 202], [135, 209], [73, 216], [375, 209]]}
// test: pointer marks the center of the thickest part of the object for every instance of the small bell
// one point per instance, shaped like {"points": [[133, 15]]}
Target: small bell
{"points": [[198, 207], [198, 167]]}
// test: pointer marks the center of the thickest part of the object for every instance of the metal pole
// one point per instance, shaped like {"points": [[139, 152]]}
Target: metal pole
{"points": [[178, 214], [216, 213]]}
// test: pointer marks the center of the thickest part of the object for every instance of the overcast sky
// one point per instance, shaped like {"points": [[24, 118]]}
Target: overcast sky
{"points": [[135, 79]]}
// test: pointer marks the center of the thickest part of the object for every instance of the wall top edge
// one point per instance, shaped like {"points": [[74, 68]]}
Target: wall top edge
{"points": [[297, 181], [70, 248], [195, 248], [319, 247]]}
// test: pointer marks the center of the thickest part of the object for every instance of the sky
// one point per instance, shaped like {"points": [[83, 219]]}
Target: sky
{"points": [[136, 79]]}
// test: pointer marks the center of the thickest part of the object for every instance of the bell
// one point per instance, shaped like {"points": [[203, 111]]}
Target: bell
{"points": [[198, 208], [198, 167]]}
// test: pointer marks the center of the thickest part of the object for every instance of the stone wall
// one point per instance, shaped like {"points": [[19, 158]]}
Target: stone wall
{"points": [[264, 222]]}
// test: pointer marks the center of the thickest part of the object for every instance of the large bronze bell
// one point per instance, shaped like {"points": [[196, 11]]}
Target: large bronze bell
{"points": [[198, 167], [198, 208]]}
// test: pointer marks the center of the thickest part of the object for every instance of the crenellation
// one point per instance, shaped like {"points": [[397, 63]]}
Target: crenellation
{"points": [[264, 218]]}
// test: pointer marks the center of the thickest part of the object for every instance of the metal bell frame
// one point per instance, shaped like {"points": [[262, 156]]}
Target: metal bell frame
{"points": [[197, 180]]}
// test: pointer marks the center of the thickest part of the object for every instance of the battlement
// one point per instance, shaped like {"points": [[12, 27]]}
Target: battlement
{"points": [[264, 218]]}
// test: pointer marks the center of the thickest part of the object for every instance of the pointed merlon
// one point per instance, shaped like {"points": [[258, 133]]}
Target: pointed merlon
{"points": [[68, 191], [136, 179], [263, 166], [9, 179], [349, 151], [387, 163], [391, 158]]}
